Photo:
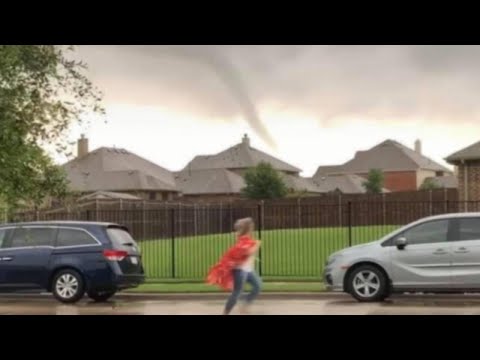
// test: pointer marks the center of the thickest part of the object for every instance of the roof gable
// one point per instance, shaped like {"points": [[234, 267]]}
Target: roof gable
{"points": [[471, 152], [389, 155], [110, 169], [240, 156]]}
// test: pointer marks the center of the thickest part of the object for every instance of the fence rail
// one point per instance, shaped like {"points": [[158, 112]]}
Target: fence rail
{"points": [[183, 242]]}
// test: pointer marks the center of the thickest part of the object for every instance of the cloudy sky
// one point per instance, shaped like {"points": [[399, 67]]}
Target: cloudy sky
{"points": [[308, 105]]}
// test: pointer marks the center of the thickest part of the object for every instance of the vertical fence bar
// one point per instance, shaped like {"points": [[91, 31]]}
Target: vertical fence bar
{"points": [[172, 214], [259, 221], [349, 209]]}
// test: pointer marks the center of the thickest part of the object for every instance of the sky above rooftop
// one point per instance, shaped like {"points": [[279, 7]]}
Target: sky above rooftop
{"points": [[307, 105]]}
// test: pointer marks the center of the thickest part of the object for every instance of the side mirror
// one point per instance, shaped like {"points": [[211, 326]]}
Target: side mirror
{"points": [[400, 243]]}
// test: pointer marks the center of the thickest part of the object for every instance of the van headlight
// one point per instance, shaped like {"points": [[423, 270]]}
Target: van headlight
{"points": [[332, 258]]}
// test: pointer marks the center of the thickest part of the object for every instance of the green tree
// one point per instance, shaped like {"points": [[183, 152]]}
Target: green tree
{"points": [[43, 90], [374, 183], [429, 184], [264, 182]]}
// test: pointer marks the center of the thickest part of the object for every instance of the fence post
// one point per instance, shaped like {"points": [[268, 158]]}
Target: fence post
{"points": [[384, 210], [144, 221], [340, 210], [96, 209], [431, 199], [260, 224], [195, 218], [349, 208], [299, 214], [172, 214]]}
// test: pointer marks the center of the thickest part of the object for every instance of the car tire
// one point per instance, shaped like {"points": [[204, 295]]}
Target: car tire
{"points": [[101, 296], [368, 283], [68, 286]]}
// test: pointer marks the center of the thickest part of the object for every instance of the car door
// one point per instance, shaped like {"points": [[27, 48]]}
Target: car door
{"points": [[466, 253], [4, 234], [425, 262], [25, 257]]}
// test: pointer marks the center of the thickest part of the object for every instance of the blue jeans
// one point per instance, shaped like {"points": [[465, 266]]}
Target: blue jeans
{"points": [[240, 277]]}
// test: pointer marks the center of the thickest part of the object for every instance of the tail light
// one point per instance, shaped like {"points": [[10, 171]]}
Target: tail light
{"points": [[115, 255]]}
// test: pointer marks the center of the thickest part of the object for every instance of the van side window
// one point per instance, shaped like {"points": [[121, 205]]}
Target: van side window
{"points": [[469, 229], [26, 237], [72, 237], [427, 233]]}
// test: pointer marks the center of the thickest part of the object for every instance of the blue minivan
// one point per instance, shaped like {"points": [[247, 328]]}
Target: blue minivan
{"points": [[69, 259]]}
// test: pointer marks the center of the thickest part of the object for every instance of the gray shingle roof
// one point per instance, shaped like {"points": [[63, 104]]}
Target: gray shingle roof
{"points": [[345, 183], [448, 182], [240, 156], [108, 195], [471, 152], [326, 170], [223, 181], [299, 183], [389, 155], [210, 181], [109, 169]]}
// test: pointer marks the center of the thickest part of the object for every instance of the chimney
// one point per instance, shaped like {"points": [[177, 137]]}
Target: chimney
{"points": [[82, 146], [418, 146], [246, 140]]}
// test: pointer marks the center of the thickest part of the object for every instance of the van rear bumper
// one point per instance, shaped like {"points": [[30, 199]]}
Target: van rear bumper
{"points": [[128, 281]]}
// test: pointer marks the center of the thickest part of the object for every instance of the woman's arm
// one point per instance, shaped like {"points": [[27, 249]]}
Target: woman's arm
{"points": [[255, 247]]}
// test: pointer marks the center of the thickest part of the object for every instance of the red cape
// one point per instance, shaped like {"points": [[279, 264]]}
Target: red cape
{"points": [[221, 274]]}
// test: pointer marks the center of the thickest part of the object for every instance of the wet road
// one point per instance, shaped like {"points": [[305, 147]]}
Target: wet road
{"points": [[321, 306]]}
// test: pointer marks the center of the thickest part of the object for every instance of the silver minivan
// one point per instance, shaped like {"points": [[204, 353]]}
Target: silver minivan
{"points": [[435, 254]]}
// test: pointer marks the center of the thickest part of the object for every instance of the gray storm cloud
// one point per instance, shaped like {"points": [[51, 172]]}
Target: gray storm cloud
{"points": [[434, 83], [224, 69]]}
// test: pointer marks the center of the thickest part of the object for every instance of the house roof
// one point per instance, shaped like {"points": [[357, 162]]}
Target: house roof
{"points": [[223, 181], [389, 155], [111, 169], [240, 156], [299, 183], [210, 181], [471, 152], [326, 170], [108, 195], [345, 183], [448, 182]]}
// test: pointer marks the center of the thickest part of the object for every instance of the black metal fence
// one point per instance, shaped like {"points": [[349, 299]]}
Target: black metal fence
{"points": [[183, 243]]}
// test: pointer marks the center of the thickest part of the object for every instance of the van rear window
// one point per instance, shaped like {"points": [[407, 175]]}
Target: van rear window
{"points": [[120, 238]]}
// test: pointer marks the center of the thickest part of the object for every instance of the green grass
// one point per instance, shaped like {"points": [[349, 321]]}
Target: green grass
{"points": [[288, 253], [184, 288]]}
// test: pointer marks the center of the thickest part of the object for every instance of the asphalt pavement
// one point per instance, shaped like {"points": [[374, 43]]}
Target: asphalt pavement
{"points": [[271, 304]]}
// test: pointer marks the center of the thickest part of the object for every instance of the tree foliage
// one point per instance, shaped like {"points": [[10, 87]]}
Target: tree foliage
{"points": [[42, 92], [429, 184], [374, 183], [264, 182]]}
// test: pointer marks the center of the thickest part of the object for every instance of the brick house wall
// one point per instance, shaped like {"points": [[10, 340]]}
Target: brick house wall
{"points": [[472, 171], [399, 180]]}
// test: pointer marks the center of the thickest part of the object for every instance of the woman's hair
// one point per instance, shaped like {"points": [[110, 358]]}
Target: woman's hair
{"points": [[244, 226]]}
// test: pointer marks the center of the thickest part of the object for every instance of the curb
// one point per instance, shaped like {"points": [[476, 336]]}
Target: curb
{"points": [[183, 296], [425, 298]]}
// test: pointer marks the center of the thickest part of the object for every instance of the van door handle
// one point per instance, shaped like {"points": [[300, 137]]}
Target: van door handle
{"points": [[461, 250], [439, 252], [7, 258]]}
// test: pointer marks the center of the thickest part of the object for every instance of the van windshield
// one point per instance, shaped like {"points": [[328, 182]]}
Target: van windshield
{"points": [[121, 239]]}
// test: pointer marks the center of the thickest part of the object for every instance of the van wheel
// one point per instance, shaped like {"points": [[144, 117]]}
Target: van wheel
{"points": [[368, 284], [101, 296], [68, 286]]}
